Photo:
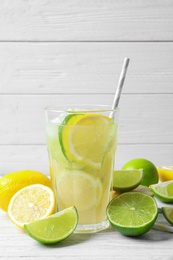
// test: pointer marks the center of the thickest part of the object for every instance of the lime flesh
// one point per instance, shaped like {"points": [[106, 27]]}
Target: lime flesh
{"points": [[150, 173], [55, 228], [125, 180], [163, 191], [168, 214], [132, 213]]}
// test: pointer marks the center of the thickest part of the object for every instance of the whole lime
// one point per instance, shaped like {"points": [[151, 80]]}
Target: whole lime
{"points": [[150, 173]]}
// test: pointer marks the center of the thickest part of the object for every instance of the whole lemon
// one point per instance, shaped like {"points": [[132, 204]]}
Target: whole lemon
{"points": [[150, 173], [165, 173], [14, 181]]}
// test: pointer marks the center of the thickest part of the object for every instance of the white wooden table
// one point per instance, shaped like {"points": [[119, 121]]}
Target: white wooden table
{"points": [[108, 244]]}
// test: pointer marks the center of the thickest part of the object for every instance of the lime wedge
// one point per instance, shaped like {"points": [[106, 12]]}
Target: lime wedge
{"points": [[168, 214], [132, 213], [126, 180], [55, 228], [163, 191], [85, 138]]}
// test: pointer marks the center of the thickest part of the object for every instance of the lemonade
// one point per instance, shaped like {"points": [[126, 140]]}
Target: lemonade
{"points": [[81, 147]]}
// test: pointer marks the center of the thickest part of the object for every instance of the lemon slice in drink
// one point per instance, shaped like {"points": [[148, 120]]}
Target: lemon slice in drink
{"points": [[85, 138], [132, 213], [79, 189], [126, 180], [31, 203], [163, 191], [55, 228]]}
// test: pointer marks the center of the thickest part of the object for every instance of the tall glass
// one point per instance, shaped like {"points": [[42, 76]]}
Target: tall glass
{"points": [[81, 143]]}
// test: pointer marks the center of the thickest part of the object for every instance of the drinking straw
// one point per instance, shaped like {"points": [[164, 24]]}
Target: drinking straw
{"points": [[120, 85]]}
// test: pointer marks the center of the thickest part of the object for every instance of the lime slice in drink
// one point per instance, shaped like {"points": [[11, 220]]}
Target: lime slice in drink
{"points": [[163, 191], [126, 180], [79, 189], [54, 142], [55, 228], [132, 213], [168, 214], [85, 138]]}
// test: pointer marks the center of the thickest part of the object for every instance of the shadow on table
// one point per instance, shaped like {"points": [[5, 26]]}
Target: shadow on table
{"points": [[74, 239], [154, 235], [151, 236]]}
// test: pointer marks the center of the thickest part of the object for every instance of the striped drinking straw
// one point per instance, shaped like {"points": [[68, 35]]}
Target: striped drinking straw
{"points": [[120, 85]]}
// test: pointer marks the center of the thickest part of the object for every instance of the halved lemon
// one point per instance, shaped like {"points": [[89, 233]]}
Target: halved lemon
{"points": [[79, 189], [11, 182], [31, 203], [85, 138]]}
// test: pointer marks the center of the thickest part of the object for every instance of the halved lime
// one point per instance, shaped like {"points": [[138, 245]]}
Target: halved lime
{"points": [[55, 228], [126, 180], [163, 191], [168, 214], [85, 138], [80, 189], [132, 213]]}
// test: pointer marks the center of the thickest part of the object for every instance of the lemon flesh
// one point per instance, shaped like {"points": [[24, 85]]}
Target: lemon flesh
{"points": [[55, 228], [79, 189], [86, 138], [126, 180], [31, 203], [14, 181], [132, 213], [163, 191]]}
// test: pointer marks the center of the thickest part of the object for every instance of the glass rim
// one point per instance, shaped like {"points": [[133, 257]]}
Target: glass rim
{"points": [[81, 108]]}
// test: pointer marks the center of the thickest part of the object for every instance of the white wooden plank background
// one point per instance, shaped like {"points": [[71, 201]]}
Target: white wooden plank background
{"points": [[72, 51], [85, 67], [86, 20], [142, 117]]}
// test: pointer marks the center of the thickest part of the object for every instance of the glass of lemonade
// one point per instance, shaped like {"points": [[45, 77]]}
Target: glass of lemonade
{"points": [[81, 143]]}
